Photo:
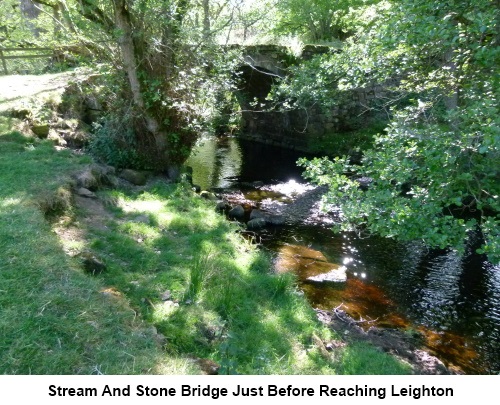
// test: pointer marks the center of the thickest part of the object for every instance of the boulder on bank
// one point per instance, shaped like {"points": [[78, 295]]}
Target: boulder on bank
{"points": [[96, 176], [207, 195], [222, 207], [275, 219], [87, 180], [134, 177], [237, 212], [269, 219], [256, 214], [70, 123], [256, 223], [104, 174], [75, 138], [41, 130], [84, 192]]}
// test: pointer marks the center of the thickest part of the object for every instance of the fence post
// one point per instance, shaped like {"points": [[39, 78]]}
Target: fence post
{"points": [[3, 62]]}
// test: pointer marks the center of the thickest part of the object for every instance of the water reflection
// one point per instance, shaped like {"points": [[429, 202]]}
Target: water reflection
{"points": [[216, 162], [401, 286], [454, 301]]}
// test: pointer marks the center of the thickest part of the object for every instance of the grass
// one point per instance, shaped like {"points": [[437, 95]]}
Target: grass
{"points": [[225, 305], [53, 317], [180, 283]]}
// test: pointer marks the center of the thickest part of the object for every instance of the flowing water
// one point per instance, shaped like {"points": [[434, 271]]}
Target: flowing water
{"points": [[453, 301]]}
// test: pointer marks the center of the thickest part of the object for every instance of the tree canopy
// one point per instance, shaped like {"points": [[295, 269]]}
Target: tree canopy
{"points": [[434, 173]]}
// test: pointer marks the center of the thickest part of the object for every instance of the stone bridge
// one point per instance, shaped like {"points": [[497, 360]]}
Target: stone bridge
{"points": [[264, 65], [277, 58]]}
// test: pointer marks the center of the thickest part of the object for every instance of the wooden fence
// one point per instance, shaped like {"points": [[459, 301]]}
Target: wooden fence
{"points": [[5, 57]]}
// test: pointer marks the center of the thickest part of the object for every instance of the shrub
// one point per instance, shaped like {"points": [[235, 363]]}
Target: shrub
{"points": [[114, 142]]}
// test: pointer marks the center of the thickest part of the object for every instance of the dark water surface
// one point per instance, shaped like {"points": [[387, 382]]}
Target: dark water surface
{"points": [[453, 301]]}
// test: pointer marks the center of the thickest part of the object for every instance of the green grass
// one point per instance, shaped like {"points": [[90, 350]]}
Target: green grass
{"points": [[53, 317], [225, 303]]}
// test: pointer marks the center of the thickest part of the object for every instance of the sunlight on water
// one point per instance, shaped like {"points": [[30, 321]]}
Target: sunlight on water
{"points": [[291, 188], [215, 162], [454, 301]]}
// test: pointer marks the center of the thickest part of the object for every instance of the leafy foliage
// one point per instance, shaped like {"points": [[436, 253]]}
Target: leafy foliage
{"points": [[170, 74], [434, 173], [318, 20], [114, 142]]}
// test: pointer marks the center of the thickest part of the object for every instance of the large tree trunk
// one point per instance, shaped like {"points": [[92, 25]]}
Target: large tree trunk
{"points": [[206, 21], [128, 50]]}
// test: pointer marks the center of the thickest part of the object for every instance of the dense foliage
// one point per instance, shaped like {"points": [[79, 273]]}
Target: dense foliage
{"points": [[159, 59], [434, 173], [318, 20]]}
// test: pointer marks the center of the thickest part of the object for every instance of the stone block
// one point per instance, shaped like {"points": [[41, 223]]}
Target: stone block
{"points": [[134, 177], [41, 130]]}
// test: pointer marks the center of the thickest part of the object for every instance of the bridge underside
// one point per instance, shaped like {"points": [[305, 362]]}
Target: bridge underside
{"points": [[263, 121]]}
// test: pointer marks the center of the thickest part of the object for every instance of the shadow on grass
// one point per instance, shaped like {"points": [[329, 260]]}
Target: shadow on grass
{"points": [[54, 319], [207, 290]]}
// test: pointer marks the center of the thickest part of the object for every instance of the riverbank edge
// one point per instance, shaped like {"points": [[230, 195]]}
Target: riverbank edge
{"points": [[36, 253]]}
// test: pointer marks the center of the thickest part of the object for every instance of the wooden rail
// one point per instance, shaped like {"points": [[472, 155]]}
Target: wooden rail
{"points": [[4, 57]]}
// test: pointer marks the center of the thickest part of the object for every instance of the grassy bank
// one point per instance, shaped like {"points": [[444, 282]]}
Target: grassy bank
{"points": [[53, 317], [179, 285]]}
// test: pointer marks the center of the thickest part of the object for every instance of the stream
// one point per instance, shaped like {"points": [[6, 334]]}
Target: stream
{"points": [[453, 301]]}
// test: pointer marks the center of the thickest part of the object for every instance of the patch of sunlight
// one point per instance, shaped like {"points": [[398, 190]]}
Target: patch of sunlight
{"points": [[291, 188], [164, 218], [244, 247], [176, 366], [301, 315], [293, 43], [73, 247], [209, 221], [140, 230], [270, 318], [301, 359], [163, 310], [130, 206], [199, 222], [244, 261], [10, 202]]}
